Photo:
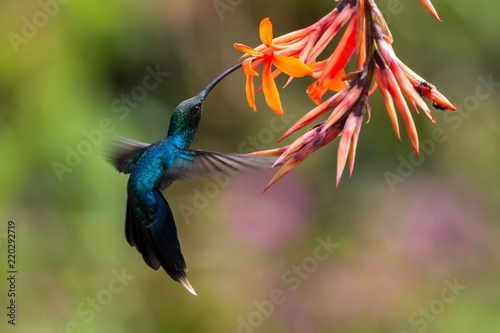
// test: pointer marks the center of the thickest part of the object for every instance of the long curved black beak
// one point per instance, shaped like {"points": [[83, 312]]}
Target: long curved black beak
{"points": [[212, 84]]}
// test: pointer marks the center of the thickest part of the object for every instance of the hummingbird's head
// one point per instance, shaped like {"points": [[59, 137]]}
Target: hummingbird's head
{"points": [[187, 114]]}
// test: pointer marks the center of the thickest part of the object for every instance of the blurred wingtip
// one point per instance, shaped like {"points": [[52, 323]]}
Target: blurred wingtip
{"points": [[122, 153]]}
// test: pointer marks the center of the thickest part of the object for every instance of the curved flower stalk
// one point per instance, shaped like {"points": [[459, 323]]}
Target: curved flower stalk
{"points": [[367, 39]]}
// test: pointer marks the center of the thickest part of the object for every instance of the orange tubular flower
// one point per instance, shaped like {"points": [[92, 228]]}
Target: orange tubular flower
{"points": [[377, 67], [269, 56]]}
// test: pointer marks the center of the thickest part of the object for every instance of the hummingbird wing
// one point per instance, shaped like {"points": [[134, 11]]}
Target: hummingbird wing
{"points": [[125, 154], [201, 163]]}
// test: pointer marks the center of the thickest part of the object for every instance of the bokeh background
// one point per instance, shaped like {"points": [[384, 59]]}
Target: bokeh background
{"points": [[419, 253]]}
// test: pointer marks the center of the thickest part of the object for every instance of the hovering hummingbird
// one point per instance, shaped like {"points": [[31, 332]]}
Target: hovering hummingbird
{"points": [[149, 224]]}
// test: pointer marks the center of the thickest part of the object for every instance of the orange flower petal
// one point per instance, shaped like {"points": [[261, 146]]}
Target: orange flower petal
{"points": [[300, 146], [397, 95], [379, 18], [266, 31], [316, 91], [354, 144], [248, 69], [442, 101], [430, 8], [291, 66], [337, 22], [343, 52], [250, 92], [270, 152], [409, 90], [270, 90], [351, 97], [289, 165], [330, 103], [389, 104], [336, 83], [246, 49], [344, 145]]}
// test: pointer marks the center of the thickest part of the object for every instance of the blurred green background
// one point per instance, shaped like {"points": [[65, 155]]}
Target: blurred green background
{"points": [[419, 254]]}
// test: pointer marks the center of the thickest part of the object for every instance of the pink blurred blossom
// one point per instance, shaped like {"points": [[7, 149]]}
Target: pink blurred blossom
{"points": [[265, 219]]}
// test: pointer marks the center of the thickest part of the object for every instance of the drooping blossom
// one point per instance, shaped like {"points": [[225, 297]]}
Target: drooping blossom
{"points": [[268, 56]]}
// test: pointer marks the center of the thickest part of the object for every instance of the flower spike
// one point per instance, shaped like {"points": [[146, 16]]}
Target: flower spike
{"points": [[365, 45]]}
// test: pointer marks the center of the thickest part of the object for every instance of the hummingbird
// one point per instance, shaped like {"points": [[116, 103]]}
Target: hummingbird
{"points": [[149, 222]]}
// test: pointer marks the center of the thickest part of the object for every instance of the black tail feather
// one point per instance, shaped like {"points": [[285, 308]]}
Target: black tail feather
{"points": [[156, 239], [137, 236], [163, 236]]}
